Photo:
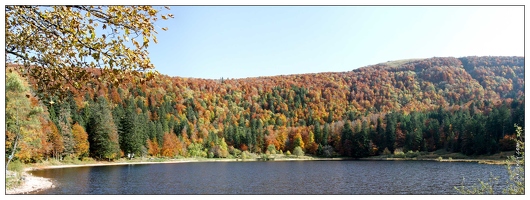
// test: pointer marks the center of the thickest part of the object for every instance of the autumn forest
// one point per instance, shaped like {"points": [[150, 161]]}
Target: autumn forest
{"points": [[467, 105]]}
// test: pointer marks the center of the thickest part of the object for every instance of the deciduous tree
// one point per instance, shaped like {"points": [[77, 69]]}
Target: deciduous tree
{"points": [[81, 145], [152, 145], [169, 147], [55, 44], [56, 140], [22, 121]]}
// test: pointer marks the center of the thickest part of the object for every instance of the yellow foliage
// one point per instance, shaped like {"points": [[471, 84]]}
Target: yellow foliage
{"points": [[56, 38], [81, 147]]}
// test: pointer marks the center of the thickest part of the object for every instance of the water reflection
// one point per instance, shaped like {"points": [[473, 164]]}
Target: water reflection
{"points": [[308, 177]]}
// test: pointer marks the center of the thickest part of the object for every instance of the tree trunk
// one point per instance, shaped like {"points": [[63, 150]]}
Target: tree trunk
{"points": [[12, 152]]}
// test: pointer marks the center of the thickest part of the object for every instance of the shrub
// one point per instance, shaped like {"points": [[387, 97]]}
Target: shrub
{"points": [[221, 153], [516, 170], [197, 150], [245, 155], [386, 151], [298, 151], [271, 148], [87, 159], [71, 159], [16, 166], [398, 153], [54, 162], [14, 175], [234, 152], [412, 154]]}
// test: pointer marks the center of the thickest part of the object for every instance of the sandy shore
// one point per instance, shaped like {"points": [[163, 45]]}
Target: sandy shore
{"points": [[31, 184]]}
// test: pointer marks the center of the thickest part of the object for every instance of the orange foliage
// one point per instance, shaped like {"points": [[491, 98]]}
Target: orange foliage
{"points": [[508, 143], [171, 146], [56, 140], [282, 103], [312, 148], [243, 147], [46, 146], [152, 146]]}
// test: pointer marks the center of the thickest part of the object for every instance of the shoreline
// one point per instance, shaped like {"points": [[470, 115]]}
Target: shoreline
{"points": [[31, 184], [34, 183], [144, 162], [479, 161]]}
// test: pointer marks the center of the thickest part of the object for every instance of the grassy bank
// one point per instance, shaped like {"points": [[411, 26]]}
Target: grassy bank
{"points": [[444, 156], [14, 174]]}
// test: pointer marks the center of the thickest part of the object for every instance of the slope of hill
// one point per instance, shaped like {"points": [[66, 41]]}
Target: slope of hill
{"points": [[467, 105]]}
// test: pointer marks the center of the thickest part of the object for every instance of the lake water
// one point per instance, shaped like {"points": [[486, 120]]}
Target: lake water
{"points": [[264, 178]]}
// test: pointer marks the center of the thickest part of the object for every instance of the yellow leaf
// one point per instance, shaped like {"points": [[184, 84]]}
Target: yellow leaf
{"points": [[77, 39]]}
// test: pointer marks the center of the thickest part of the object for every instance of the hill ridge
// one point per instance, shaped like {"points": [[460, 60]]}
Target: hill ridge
{"points": [[466, 104]]}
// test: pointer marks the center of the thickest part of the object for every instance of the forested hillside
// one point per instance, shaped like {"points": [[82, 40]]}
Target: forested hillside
{"points": [[467, 105]]}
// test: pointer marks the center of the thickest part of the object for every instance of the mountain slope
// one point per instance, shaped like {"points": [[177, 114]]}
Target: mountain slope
{"points": [[418, 104]]}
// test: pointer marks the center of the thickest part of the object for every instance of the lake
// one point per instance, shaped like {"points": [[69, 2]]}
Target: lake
{"points": [[280, 177]]}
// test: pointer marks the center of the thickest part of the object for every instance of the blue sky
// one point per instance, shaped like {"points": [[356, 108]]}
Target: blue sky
{"points": [[251, 41]]}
